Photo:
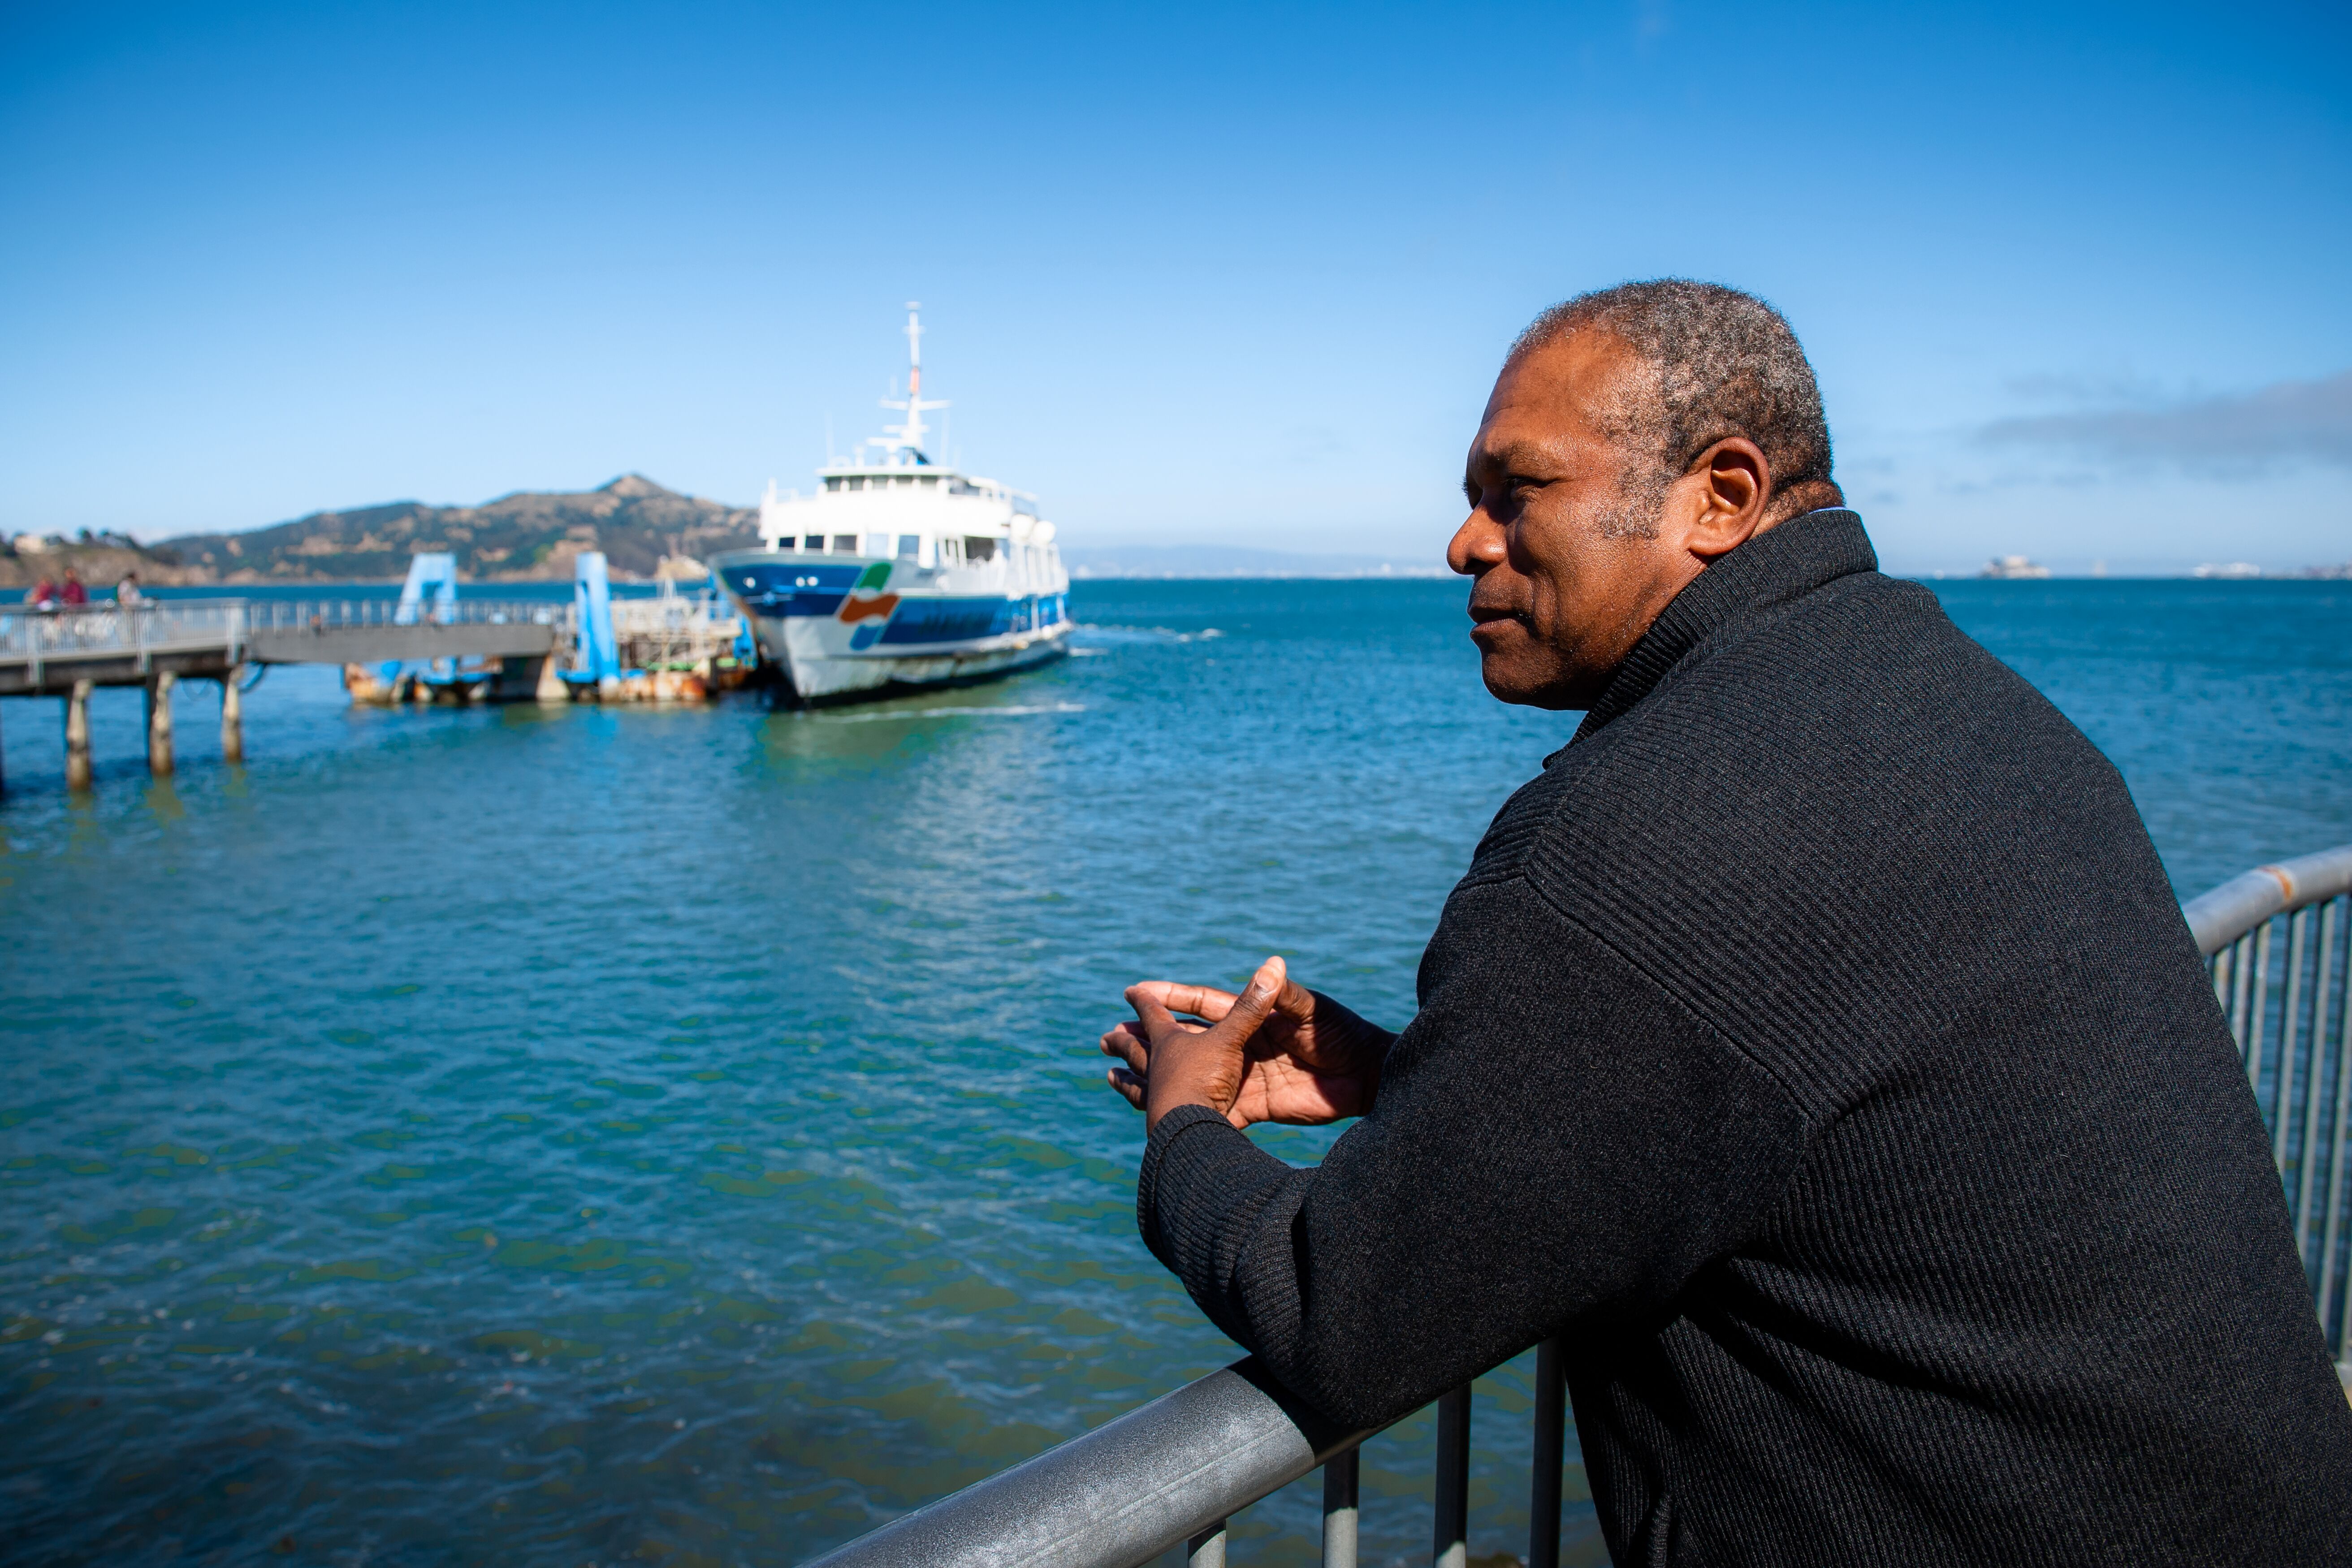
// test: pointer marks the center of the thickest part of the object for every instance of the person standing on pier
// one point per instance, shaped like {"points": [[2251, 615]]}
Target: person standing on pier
{"points": [[1815, 1046]]}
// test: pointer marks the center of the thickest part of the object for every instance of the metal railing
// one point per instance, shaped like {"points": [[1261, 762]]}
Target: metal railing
{"points": [[341, 615], [2275, 941], [102, 631], [1169, 1474], [174, 626]]}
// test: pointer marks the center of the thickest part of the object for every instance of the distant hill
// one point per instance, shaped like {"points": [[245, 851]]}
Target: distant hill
{"points": [[530, 534]]}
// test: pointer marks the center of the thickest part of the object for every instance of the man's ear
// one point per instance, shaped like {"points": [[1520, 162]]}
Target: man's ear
{"points": [[1735, 482]]}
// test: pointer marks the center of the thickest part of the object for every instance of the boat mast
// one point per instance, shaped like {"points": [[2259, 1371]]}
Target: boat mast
{"points": [[909, 437]]}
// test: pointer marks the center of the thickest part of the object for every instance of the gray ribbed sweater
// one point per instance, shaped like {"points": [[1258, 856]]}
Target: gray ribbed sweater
{"points": [[1817, 1046]]}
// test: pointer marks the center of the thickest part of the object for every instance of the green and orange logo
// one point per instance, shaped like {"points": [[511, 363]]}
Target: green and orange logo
{"points": [[866, 601]]}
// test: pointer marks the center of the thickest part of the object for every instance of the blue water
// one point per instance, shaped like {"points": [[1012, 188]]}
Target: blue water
{"points": [[600, 1135]]}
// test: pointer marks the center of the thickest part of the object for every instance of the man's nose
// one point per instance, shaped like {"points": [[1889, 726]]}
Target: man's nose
{"points": [[1477, 545]]}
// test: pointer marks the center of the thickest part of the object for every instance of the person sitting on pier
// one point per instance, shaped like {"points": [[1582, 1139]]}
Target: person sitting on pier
{"points": [[1815, 1046]]}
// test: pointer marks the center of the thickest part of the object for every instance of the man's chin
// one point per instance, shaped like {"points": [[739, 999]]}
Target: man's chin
{"points": [[1513, 681]]}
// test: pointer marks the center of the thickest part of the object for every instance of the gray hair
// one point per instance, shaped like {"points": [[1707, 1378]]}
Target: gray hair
{"points": [[1715, 362]]}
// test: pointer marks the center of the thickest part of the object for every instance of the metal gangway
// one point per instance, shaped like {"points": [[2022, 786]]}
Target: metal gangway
{"points": [[1167, 1476]]}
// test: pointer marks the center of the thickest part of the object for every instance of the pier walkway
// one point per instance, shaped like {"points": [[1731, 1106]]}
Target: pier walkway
{"points": [[44, 653], [69, 653]]}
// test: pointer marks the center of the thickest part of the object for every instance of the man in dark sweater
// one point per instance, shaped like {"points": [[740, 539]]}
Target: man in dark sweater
{"points": [[1815, 1045]]}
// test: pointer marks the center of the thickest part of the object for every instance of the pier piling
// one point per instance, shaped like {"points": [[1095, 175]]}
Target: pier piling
{"points": [[77, 776], [232, 718], [159, 723]]}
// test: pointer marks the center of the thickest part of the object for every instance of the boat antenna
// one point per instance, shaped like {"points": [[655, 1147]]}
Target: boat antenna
{"points": [[909, 436]]}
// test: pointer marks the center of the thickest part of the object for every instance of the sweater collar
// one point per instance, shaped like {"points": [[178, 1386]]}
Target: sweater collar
{"points": [[1775, 566]]}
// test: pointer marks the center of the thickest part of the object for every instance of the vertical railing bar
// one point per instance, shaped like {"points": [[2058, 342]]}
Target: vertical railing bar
{"points": [[1340, 1515], [2309, 1161], [2332, 1231], [2258, 1011], [2218, 968], [2298, 929], [2242, 951], [1550, 1453], [1451, 1548]]}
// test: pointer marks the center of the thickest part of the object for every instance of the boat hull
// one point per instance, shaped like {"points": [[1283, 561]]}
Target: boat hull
{"points": [[842, 631]]}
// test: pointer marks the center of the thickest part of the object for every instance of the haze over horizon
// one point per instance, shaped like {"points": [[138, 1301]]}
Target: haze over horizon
{"points": [[1224, 276]]}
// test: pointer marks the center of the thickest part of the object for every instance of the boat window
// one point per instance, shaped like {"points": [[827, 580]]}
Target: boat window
{"points": [[929, 479], [813, 542], [978, 549], [785, 544], [857, 481], [906, 481], [910, 546], [878, 544], [963, 487], [845, 544], [833, 484]]}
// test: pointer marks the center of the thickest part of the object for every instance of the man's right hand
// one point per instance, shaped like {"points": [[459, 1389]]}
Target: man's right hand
{"points": [[1311, 1061]]}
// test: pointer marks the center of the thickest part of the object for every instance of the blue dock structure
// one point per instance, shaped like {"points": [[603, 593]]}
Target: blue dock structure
{"points": [[591, 610], [669, 648]]}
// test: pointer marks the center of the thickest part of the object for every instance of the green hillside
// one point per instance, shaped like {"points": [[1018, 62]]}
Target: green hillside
{"points": [[530, 534]]}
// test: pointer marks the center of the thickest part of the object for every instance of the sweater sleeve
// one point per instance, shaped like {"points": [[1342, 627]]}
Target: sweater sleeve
{"points": [[1558, 1144]]}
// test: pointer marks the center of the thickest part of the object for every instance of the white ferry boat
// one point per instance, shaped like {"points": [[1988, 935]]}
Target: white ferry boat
{"points": [[898, 573]]}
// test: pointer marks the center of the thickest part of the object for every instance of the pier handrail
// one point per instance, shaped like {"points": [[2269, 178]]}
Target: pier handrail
{"points": [[34, 636], [1172, 1472], [2227, 913], [1154, 1478], [2276, 944]]}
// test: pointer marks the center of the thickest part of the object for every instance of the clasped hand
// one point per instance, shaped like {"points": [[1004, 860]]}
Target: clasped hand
{"points": [[1277, 1052]]}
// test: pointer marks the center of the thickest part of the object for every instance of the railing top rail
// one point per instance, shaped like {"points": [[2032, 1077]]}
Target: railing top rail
{"points": [[1125, 1491], [2220, 917]]}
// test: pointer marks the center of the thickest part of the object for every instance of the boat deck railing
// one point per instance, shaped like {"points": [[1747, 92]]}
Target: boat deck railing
{"points": [[1167, 1475]]}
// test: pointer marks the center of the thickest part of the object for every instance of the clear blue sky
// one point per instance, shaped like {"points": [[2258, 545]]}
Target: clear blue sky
{"points": [[2076, 281]]}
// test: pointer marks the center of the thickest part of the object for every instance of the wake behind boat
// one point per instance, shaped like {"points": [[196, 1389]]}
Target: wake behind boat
{"points": [[900, 573]]}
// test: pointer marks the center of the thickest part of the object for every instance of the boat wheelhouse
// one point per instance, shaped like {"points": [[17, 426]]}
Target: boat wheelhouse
{"points": [[898, 571]]}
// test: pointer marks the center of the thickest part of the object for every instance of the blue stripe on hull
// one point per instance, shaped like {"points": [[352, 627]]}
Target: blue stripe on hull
{"points": [[792, 590]]}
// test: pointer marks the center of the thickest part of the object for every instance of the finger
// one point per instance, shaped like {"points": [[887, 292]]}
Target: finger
{"points": [[1155, 1020], [1201, 1001], [1129, 1086], [1129, 1046], [1296, 1001], [1256, 1001]]}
